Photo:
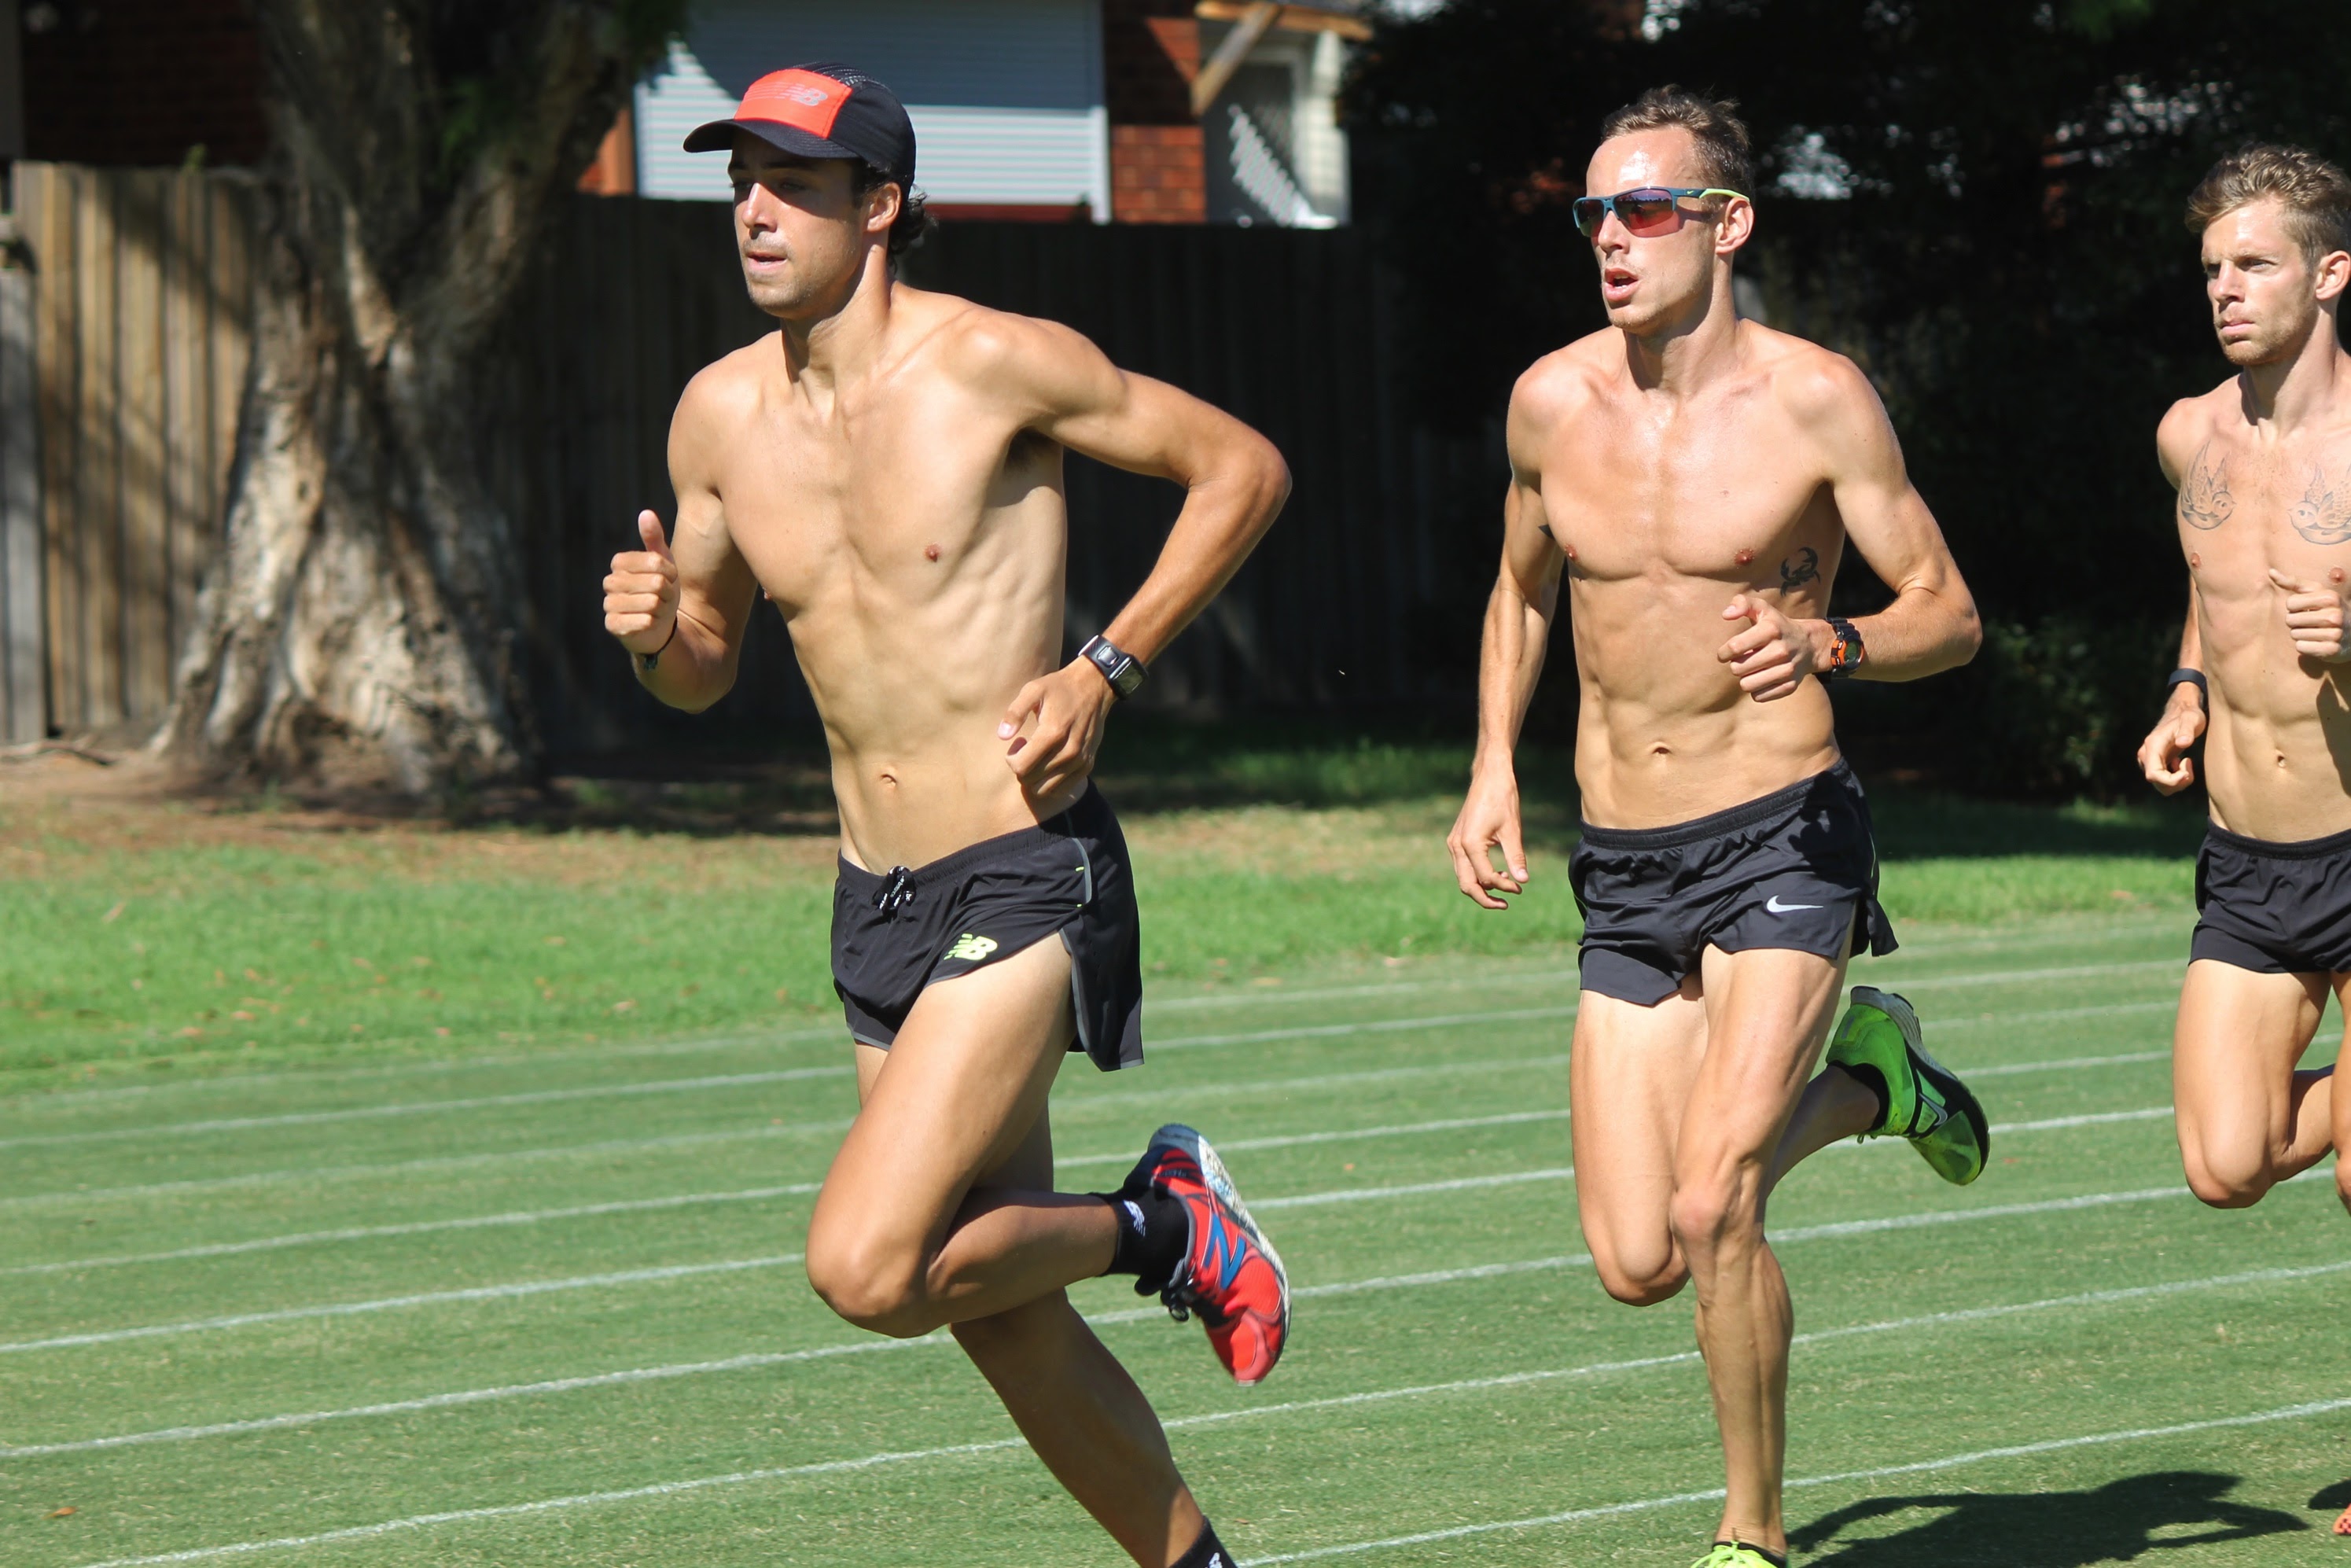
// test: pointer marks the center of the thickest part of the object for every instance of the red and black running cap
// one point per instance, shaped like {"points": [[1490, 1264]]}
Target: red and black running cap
{"points": [[821, 110]]}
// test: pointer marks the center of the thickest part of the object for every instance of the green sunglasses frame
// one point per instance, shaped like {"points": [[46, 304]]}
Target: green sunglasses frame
{"points": [[1608, 205]]}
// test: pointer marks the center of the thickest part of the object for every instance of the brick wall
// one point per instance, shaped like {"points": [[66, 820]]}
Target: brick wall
{"points": [[141, 81], [1151, 51]]}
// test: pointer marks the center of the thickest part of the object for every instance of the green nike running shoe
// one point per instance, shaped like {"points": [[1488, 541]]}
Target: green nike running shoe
{"points": [[1925, 1100], [1731, 1555]]}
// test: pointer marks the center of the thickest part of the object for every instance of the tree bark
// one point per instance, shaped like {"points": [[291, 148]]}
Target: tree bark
{"points": [[365, 623]]}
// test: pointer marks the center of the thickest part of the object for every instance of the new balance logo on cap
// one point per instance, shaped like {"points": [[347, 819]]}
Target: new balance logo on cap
{"points": [[821, 109]]}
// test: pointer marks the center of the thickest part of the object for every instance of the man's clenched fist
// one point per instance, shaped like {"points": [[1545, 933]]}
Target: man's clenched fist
{"points": [[640, 591], [2163, 755], [1772, 656], [2315, 617]]}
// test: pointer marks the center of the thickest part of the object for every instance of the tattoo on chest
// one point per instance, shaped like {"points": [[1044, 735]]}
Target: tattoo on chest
{"points": [[2323, 515], [2205, 501], [1799, 568]]}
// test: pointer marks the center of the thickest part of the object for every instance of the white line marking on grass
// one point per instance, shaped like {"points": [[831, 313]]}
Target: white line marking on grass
{"points": [[387, 1304], [761, 1360], [424, 1163], [1295, 1140], [1878, 1472], [751, 1362], [546, 1505], [427, 1107], [2067, 1063], [1412, 1189], [2019, 977], [552, 1055], [1248, 1037], [417, 1228], [1069, 1109], [739, 1478]]}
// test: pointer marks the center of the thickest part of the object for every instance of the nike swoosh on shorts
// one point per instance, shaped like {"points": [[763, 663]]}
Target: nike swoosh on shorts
{"points": [[1776, 907]]}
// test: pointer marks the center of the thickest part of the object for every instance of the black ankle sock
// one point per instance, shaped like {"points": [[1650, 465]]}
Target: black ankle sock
{"points": [[1870, 1078], [1210, 1553], [1154, 1231], [1777, 1559]]}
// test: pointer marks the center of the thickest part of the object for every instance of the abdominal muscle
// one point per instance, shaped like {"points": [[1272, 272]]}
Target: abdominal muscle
{"points": [[1664, 733], [912, 684], [2270, 770]]}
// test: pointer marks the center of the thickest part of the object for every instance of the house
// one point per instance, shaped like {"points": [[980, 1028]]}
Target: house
{"points": [[1047, 111]]}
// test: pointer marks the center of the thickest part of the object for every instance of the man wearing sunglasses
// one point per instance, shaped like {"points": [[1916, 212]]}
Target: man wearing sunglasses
{"points": [[1695, 478]]}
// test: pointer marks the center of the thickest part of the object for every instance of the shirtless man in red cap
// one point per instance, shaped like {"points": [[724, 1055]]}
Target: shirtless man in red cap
{"points": [[887, 466]]}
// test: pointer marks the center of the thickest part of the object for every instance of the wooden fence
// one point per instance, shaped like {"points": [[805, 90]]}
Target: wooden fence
{"points": [[142, 310], [23, 706], [1366, 594]]}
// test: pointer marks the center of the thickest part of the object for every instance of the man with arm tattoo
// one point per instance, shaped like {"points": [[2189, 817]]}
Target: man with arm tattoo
{"points": [[2263, 465], [1696, 478]]}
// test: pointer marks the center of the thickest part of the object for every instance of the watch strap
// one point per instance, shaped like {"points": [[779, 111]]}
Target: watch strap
{"points": [[1122, 669], [1847, 651]]}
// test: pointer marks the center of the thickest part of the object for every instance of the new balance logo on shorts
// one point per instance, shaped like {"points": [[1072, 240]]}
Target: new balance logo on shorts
{"points": [[971, 948]]}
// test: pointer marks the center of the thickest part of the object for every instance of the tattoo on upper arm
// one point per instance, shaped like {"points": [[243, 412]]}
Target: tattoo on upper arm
{"points": [[2323, 515], [2205, 501], [1799, 568]]}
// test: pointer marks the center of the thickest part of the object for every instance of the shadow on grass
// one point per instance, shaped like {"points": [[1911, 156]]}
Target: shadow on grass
{"points": [[2118, 1523]]}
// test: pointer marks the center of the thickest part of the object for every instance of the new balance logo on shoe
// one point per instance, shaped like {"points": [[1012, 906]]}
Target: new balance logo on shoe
{"points": [[1772, 903], [971, 948], [1134, 1213]]}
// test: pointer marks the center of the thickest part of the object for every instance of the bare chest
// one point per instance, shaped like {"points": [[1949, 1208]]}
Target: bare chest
{"points": [[2244, 512], [1735, 494], [896, 495]]}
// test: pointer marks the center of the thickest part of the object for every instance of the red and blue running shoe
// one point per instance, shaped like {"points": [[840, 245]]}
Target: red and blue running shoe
{"points": [[1230, 1275]]}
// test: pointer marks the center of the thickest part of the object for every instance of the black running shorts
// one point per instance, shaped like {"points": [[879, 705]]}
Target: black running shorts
{"points": [[895, 932], [2276, 909], [1797, 869]]}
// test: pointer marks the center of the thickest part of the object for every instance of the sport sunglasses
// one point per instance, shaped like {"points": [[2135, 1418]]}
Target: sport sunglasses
{"points": [[1651, 210]]}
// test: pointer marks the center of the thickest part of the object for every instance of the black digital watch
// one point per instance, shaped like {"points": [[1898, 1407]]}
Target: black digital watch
{"points": [[1122, 670]]}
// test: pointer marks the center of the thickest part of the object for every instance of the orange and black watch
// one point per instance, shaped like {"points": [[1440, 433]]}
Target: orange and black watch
{"points": [[1846, 654]]}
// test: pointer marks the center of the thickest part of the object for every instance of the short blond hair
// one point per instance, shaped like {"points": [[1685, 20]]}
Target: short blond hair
{"points": [[2314, 193], [1724, 155]]}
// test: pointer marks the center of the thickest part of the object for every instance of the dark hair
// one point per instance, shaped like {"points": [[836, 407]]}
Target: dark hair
{"points": [[2316, 195], [1724, 155], [913, 220]]}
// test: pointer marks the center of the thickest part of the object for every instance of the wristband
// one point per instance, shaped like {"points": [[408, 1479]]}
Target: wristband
{"points": [[2184, 678], [1122, 670], [649, 662], [1846, 651]]}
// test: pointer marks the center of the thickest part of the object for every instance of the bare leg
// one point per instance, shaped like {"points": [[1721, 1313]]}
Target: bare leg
{"points": [[2247, 1120], [1077, 1406], [2341, 1118], [1629, 1075], [939, 1210], [1683, 1110], [1836, 1105], [1767, 1013]]}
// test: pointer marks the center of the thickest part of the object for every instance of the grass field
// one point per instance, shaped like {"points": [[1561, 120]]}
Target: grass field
{"points": [[543, 1305]]}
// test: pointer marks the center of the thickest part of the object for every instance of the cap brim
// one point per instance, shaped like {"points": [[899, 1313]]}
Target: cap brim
{"points": [[718, 136]]}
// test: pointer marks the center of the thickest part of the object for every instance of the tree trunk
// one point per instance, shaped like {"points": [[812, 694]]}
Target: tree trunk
{"points": [[364, 625]]}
